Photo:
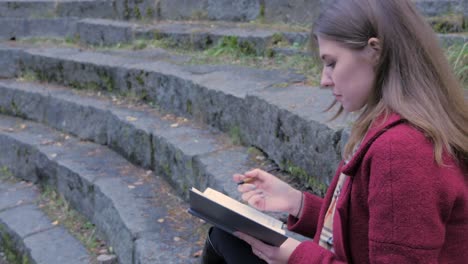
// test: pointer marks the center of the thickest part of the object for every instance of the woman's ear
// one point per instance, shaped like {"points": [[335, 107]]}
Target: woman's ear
{"points": [[374, 48]]}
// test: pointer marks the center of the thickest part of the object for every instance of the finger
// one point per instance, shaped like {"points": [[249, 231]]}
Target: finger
{"points": [[253, 173], [238, 177], [248, 239], [258, 254], [255, 243], [258, 201], [248, 195], [246, 187]]}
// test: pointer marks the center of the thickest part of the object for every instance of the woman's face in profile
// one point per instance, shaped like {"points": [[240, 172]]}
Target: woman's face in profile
{"points": [[349, 73]]}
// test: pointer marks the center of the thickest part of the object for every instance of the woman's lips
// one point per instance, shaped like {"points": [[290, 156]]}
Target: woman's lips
{"points": [[337, 96]]}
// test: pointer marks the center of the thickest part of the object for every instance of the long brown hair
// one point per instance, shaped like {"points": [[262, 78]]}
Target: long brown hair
{"points": [[413, 76]]}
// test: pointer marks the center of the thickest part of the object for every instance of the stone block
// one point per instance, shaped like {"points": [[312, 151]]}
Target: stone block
{"points": [[440, 7], [22, 9], [9, 61], [302, 12], [26, 220], [125, 138], [86, 9], [60, 248], [119, 216], [17, 158], [233, 10], [99, 32], [16, 194], [183, 9], [137, 9]]}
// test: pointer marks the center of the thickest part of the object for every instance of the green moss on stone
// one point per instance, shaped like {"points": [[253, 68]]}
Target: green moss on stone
{"points": [[139, 79], [8, 246], [28, 76], [262, 11], [137, 13], [450, 23], [127, 11], [235, 135], [149, 12], [199, 15], [107, 81], [189, 107], [309, 181], [5, 173], [166, 169]]}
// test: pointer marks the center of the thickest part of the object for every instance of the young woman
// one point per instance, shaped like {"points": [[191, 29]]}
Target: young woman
{"points": [[401, 193]]}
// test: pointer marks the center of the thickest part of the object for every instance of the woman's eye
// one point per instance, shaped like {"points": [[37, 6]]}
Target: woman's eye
{"points": [[331, 65]]}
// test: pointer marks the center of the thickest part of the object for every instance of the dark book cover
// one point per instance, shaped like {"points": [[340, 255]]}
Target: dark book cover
{"points": [[231, 215]]}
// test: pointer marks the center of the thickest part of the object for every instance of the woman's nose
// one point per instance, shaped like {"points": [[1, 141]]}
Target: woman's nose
{"points": [[326, 81]]}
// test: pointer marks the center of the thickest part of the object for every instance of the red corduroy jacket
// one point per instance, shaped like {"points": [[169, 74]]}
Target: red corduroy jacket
{"points": [[397, 205]]}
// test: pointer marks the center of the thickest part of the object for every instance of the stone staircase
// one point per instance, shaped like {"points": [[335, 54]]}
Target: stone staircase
{"points": [[122, 134]]}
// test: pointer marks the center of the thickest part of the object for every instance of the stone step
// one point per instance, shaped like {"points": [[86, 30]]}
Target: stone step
{"points": [[57, 8], [184, 152], [195, 35], [137, 212], [24, 228], [272, 11], [271, 110], [291, 11], [254, 39]]}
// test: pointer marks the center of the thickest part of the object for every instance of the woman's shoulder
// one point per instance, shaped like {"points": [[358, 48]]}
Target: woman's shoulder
{"points": [[403, 137], [406, 146]]}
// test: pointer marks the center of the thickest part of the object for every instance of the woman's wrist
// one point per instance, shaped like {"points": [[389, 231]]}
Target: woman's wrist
{"points": [[297, 202]]}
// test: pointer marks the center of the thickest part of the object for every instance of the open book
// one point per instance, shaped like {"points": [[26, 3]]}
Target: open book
{"points": [[230, 215]]}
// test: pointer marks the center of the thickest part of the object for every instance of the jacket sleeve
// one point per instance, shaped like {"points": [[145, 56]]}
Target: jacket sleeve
{"points": [[306, 224], [309, 252], [409, 201]]}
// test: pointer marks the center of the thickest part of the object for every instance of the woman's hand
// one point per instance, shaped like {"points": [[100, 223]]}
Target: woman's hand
{"points": [[268, 193], [269, 253]]}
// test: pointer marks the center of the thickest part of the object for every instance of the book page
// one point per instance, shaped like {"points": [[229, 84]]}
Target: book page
{"points": [[244, 209]]}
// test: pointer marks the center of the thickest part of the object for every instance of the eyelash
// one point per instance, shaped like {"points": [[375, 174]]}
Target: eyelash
{"points": [[332, 65]]}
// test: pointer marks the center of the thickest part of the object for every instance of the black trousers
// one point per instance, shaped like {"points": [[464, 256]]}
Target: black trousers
{"points": [[232, 249]]}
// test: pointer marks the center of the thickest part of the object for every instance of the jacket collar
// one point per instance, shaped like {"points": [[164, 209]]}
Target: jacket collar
{"points": [[377, 129]]}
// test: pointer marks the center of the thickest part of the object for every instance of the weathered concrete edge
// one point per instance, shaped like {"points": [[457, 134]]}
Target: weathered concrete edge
{"points": [[106, 125], [10, 235], [87, 192]]}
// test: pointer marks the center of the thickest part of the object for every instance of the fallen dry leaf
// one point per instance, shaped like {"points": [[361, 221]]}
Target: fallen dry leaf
{"points": [[47, 142], [175, 125], [131, 118], [198, 253], [161, 220], [7, 129], [56, 222], [131, 186]]}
